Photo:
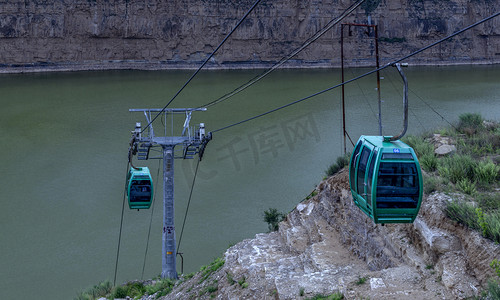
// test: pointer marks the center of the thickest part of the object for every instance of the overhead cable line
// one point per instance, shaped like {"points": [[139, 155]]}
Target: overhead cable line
{"points": [[151, 218], [309, 41], [365, 97], [361, 76], [204, 63], [187, 208], [121, 223]]}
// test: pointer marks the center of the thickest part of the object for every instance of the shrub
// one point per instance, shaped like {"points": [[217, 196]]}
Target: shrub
{"points": [[131, 289], [162, 287], [230, 278], [463, 213], [341, 162], [96, 292], [419, 145], [470, 123], [492, 224], [467, 186], [486, 172], [334, 296], [120, 292], [477, 145], [211, 268], [431, 184], [493, 290], [457, 167], [272, 217], [495, 265], [429, 162], [242, 282], [488, 201], [424, 152]]}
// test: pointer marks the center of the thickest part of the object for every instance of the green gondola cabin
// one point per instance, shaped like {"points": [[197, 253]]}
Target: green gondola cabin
{"points": [[385, 180], [139, 188]]}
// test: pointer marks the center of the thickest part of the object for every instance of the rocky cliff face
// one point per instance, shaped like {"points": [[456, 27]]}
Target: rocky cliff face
{"points": [[175, 33], [328, 245]]}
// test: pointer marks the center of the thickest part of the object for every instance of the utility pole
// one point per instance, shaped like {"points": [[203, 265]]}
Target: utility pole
{"points": [[192, 143]]}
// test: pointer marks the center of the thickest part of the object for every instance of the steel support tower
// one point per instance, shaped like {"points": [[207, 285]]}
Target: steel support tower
{"points": [[192, 142]]}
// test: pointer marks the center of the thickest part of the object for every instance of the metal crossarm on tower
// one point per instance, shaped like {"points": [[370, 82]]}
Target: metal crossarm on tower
{"points": [[193, 142]]}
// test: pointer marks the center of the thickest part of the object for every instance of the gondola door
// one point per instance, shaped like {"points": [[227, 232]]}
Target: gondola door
{"points": [[360, 176]]}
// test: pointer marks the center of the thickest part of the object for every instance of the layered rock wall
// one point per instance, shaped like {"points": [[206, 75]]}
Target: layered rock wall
{"points": [[174, 33]]}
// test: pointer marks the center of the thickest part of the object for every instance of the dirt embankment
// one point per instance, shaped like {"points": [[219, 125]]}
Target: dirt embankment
{"points": [[327, 245]]}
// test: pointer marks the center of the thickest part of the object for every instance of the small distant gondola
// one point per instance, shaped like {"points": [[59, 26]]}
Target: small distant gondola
{"points": [[139, 188], [385, 180]]}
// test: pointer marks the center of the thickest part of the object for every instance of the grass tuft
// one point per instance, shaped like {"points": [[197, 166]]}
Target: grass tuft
{"points": [[213, 267], [341, 162], [457, 167], [97, 291], [334, 296], [162, 287]]}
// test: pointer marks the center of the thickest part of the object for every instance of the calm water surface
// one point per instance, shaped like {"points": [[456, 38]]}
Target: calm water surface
{"points": [[64, 157]]}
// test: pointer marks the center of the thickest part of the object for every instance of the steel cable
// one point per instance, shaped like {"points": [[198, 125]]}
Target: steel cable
{"points": [[309, 41], [204, 63], [361, 76]]}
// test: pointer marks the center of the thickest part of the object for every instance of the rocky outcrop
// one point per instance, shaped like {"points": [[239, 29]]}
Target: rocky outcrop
{"points": [[327, 245], [172, 34]]}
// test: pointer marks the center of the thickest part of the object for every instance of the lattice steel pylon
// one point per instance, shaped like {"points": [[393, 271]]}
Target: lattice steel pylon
{"points": [[193, 142]]}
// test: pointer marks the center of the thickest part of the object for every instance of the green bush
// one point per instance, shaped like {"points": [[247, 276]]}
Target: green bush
{"points": [[488, 201], [463, 213], [96, 292], [486, 172], [120, 292], [429, 162], [334, 296], [419, 145], [341, 162], [492, 223], [162, 287], [470, 123], [214, 287], [272, 217], [488, 223], [493, 290], [431, 184], [457, 167], [211, 268], [477, 145], [467, 186]]}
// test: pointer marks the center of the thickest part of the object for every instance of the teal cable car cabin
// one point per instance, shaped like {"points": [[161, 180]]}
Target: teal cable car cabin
{"points": [[385, 180], [139, 188]]}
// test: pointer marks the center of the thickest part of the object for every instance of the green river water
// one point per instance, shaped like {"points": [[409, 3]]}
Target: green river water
{"points": [[64, 157]]}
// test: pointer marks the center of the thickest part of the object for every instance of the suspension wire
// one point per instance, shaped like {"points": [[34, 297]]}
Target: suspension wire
{"points": [[309, 41], [361, 76], [428, 105], [364, 96], [151, 219], [121, 224], [204, 63], [187, 207]]}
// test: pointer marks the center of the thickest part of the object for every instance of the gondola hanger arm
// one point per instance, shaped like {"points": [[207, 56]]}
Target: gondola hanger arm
{"points": [[405, 105]]}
